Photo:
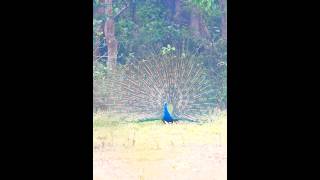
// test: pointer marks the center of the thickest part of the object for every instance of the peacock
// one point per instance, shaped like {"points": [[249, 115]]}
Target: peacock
{"points": [[169, 89], [166, 116]]}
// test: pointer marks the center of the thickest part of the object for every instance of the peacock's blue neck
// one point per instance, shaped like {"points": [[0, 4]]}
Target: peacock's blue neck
{"points": [[166, 114]]}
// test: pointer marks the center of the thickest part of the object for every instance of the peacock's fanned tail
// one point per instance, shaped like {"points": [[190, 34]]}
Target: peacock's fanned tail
{"points": [[141, 88]]}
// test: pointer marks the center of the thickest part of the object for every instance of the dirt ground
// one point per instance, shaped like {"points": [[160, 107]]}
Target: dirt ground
{"points": [[155, 151]]}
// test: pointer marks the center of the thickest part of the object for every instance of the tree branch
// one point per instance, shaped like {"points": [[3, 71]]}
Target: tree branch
{"points": [[121, 11]]}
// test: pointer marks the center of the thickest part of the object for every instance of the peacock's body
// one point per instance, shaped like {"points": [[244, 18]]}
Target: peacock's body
{"points": [[167, 117], [169, 89]]}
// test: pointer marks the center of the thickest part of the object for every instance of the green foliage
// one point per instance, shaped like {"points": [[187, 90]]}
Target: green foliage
{"points": [[97, 33], [216, 61], [150, 32], [167, 50], [210, 7], [99, 71]]}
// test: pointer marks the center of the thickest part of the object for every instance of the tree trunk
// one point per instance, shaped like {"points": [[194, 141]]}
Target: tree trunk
{"points": [[177, 10], [195, 22], [204, 29], [109, 32], [223, 7], [198, 25]]}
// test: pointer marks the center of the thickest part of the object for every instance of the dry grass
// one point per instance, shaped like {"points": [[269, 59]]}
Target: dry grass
{"points": [[153, 150]]}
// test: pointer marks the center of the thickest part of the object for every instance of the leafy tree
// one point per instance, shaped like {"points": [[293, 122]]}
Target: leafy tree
{"points": [[146, 27]]}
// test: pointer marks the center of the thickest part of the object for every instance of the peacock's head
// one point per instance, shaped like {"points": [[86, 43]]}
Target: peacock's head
{"points": [[168, 107]]}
